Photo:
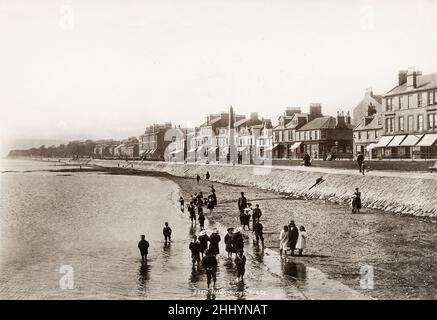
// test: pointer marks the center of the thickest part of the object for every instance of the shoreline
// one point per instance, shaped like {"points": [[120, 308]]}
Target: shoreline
{"points": [[403, 194], [401, 249]]}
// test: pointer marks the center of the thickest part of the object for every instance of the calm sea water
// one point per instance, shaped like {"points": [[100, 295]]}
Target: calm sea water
{"points": [[89, 225]]}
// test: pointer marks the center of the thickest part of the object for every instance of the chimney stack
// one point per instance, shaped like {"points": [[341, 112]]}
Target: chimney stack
{"points": [[315, 111], [348, 118], [340, 119], [402, 77], [369, 92], [231, 118], [412, 77]]}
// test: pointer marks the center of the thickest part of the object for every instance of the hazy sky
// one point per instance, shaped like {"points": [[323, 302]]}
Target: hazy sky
{"points": [[101, 69]]}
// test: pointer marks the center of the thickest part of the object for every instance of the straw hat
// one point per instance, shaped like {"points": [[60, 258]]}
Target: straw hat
{"points": [[202, 233]]}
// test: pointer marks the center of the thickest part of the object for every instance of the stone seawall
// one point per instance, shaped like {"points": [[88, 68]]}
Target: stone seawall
{"points": [[410, 195]]}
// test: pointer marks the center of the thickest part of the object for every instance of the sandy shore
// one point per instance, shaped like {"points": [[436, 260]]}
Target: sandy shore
{"points": [[401, 250]]}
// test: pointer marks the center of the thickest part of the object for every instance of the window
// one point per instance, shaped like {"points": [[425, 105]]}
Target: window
{"points": [[401, 102], [432, 121], [431, 96], [389, 125], [316, 135], [410, 101], [367, 135], [376, 134], [410, 123], [435, 97], [420, 122], [389, 104], [419, 99], [401, 123]]}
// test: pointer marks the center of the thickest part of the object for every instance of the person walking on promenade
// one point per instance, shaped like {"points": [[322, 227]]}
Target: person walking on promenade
{"points": [[143, 245], [307, 160], [237, 240], [182, 203], [293, 234], [360, 160], [256, 215], [356, 202], [207, 175], [166, 231], [229, 242], [258, 230], [198, 179], [363, 167], [214, 240], [301, 241], [283, 240], [242, 203], [240, 263], [201, 217], [203, 239], [195, 251], [192, 213], [209, 262]]}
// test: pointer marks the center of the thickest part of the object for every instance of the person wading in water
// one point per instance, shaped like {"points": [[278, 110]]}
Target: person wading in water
{"points": [[195, 251], [293, 235], [143, 245], [209, 262], [240, 263], [258, 230], [166, 231]]}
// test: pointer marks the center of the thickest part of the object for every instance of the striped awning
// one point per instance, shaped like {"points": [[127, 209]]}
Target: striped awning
{"points": [[384, 141], [295, 145], [411, 140], [428, 140], [396, 141]]}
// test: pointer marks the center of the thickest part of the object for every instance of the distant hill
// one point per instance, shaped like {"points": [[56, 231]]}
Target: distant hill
{"points": [[6, 146]]}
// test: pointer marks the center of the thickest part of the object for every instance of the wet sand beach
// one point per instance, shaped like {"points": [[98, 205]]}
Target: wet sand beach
{"points": [[401, 249]]}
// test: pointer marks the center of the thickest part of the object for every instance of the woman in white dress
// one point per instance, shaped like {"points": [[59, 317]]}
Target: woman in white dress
{"points": [[302, 240], [283, 240]]}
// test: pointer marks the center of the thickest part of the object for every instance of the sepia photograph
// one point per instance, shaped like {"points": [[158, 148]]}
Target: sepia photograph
{"points": [[211, 150]]}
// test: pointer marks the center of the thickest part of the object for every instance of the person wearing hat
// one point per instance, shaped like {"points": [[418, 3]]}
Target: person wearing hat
{"points": [[192, 213], [195, 250], [166, 231], [143, 245], [228, 242], [201, 217], [203, 239], [258, 230], [237, 240], [242, 203], [214, 240], [357, 196], [293, 235], [240, 263], [209, 262]]}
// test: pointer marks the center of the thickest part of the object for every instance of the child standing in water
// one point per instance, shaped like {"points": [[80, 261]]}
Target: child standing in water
{"points": [[143, 245], [283, 240], [166, 231], [301, 240], [240, 262], [201, 217]]}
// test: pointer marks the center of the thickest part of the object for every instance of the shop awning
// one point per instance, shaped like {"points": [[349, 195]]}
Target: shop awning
{"points": [[371, 146], [295, 145], [152, 151], [384, 141], [272, 147], [411, 140], [428, 140], [212, 149], [192, 150], [199, 148], [241, 149], [396, 141]]}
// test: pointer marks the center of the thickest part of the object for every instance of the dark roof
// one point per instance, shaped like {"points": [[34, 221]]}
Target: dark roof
{"points": [[373, 125], [321, 123], [425, 82]]}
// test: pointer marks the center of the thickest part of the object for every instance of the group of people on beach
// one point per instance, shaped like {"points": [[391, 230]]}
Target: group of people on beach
{"points": [[292, 238]]}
